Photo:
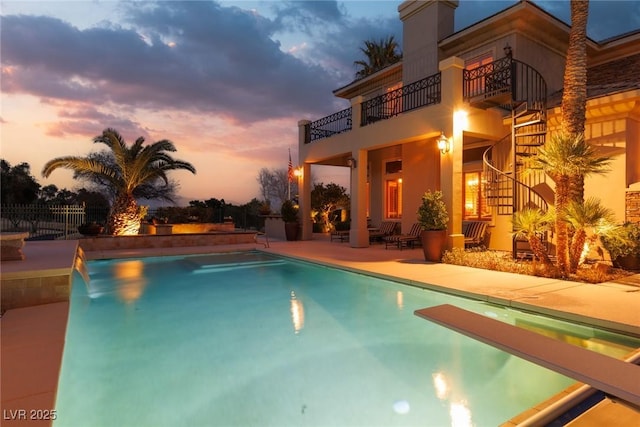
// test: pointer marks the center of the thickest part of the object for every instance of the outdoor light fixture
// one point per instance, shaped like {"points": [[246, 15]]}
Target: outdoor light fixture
{"points": [[298, 172], [351, 162], [507, 51], [443, 144]]}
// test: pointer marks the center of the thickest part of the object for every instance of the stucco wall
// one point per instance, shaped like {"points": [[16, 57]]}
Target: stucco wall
{"points": [[421, 172]]}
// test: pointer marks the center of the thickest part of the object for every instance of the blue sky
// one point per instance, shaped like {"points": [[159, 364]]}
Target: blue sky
{"points": [[226, 81]]}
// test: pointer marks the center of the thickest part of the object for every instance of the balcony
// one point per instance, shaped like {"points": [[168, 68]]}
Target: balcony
{"points": [[502, 83], [414, 95]]}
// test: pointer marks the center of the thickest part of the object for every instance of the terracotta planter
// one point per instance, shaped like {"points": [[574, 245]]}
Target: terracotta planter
{"points": [[433, 244], [90, 229], [291, 230]]}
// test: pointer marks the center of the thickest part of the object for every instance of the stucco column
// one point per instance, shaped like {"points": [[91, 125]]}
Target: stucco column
{"points": [[304, 185], [451, 163], [304, 200], [356, 111], [359, 235]]}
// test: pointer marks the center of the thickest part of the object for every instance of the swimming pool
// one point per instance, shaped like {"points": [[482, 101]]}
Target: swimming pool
{"points": [[251, 339]]}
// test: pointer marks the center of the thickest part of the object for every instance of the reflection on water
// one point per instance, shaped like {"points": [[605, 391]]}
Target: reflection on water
{"points": [[460, 414], [400, 299], [441, 386], [297, 313], [130, 280]]}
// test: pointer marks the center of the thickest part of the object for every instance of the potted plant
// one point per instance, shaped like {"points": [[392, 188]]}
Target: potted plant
{"points": [[433, 219], [289, 213], [264, 209], [90, 229], [624, 246]]}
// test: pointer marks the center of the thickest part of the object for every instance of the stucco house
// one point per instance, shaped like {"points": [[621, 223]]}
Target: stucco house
{"points": [[460, 112]]}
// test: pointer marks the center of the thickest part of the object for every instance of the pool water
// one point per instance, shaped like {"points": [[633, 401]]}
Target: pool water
{"points": [[248, 339]]}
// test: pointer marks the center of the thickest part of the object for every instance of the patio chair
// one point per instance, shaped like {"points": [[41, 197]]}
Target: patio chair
{"points": [[342, 235], [401, 240], [474, 233], [387, 228]]}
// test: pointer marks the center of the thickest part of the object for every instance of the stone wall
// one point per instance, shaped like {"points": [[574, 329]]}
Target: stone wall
{"points": [[188, 228], [632, 206], [43, 277], [29, 291], [108, 243]]}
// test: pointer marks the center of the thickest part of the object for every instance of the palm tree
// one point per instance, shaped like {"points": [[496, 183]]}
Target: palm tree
{"points": [[589, 220], [530, 224], [563, 158], [128, 168], [379, 54]]}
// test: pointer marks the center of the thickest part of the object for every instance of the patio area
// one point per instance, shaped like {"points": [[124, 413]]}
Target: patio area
{"points": [[33, 337]]}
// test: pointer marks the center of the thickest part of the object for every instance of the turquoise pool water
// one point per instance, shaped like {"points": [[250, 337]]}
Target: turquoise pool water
{"points": [[248, 339]]}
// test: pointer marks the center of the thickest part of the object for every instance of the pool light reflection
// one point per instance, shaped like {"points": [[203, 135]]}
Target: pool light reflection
{"points": [[130, 280], [297, 313]]}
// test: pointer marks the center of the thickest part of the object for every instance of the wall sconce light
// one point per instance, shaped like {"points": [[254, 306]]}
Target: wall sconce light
{"points": [[508, 52], [443, 144], [351, 162], [297, 172]]}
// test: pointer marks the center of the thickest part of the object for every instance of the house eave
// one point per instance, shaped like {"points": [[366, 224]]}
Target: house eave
{"points": [[525, 18], [355, 87]]}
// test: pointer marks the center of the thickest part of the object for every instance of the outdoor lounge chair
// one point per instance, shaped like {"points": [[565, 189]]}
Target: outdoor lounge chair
{"points": [[408, 240], [341, 235], [474, 232], [387, 228]]}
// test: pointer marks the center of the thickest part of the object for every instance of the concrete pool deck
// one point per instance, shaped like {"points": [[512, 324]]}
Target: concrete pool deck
{"points": [[33, 337]]}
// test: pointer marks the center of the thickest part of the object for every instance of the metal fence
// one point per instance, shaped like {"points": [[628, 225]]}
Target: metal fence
{"points": [[49, 222]]}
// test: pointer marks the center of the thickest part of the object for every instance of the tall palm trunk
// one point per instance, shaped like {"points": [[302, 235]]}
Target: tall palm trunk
{"points": [[562, 228], [574, 95]]}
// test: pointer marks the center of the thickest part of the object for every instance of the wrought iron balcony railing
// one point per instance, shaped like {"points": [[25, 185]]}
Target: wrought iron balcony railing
{"points": [[328, 126], [414, 95], [503, 82]]}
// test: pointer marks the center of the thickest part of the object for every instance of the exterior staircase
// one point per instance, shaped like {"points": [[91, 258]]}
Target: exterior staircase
{"points": [[519, 91]]}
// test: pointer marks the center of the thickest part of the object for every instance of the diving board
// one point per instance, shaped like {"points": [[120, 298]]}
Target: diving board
{"points": [[612, 376]]}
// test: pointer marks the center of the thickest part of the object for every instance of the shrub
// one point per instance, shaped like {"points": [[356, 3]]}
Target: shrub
{"points": [[503, 261], [289, 211], [624, 241], [432, 213], [342, 225]]}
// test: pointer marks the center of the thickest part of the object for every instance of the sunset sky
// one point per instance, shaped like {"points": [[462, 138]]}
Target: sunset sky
{"points": [[226, 81]]}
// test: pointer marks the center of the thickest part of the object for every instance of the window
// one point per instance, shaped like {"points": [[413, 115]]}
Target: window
{"points": [[393, 167], [479, 60], [393, 189], [393, 192], [475, 202]]}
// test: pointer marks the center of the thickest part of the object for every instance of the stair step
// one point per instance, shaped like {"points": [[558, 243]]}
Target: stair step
{"points": [[539, 133], [528, 123], [529, 145]]}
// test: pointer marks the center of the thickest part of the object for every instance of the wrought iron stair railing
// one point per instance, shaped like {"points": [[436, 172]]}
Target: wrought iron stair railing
{"points": [[515, 87]]}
